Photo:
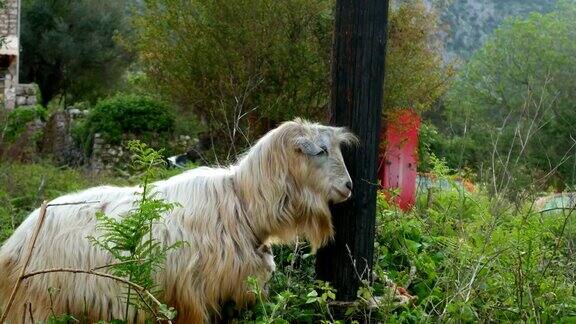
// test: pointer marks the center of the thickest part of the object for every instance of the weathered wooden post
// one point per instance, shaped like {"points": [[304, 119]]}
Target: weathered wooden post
{"points": [[357, 79]]}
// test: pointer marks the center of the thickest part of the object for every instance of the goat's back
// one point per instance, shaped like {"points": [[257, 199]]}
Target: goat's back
{"points": [[213, 265], [62, 243]]}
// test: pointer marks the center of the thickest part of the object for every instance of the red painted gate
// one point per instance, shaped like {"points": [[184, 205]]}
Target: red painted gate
{"points": [[399, 156]]}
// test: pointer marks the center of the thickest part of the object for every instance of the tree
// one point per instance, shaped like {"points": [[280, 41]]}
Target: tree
{"points": [[68, 47], [512, 106], [416, 76], [357, 85], [235, 61], [268, 61]]}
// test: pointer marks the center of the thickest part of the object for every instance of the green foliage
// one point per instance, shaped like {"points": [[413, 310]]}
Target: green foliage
{"points": [[126, 115], [469, 257], [294, 296], [23, 187], [415, 74], [18, 119], [432, 141], [242, 66], [512, 106], [69, 46], [130, 240], [225, 60]]}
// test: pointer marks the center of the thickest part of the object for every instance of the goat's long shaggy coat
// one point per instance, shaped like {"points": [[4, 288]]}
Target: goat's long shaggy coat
{"points": [[278, 190]]}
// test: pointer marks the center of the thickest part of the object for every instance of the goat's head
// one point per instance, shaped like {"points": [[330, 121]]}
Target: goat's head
{"points": [[320, 165], [300, 169]]}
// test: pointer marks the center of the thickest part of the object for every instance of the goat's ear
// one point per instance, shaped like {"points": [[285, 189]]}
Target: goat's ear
{"points": [[308, 147], [347, 137]]}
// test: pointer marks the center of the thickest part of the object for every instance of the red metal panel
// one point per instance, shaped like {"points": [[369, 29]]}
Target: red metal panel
{"points": [[399, 157]]}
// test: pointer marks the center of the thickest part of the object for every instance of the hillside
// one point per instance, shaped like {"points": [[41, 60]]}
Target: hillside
{"points": [[470, 22]]}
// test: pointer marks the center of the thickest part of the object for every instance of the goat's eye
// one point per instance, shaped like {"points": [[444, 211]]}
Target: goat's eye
{"points": [[324, 151]]}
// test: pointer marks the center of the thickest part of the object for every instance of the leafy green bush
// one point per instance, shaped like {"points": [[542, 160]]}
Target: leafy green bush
{"points": [[130, 115], [294, 296], [472, 258], [243, 66], [17, 120]]}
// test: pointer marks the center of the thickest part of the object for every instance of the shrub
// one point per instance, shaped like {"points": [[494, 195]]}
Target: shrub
{"points": [[225, 61], [294, 296], [416, 75], [243, 66], [131, 115], [470, 257], [18, 119]]}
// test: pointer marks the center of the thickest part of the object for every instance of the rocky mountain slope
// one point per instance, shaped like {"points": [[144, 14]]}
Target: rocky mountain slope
{"points": [[470, 22]]}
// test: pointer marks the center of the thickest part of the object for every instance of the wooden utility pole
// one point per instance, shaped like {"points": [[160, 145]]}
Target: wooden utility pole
{"points": [[357, 84]]}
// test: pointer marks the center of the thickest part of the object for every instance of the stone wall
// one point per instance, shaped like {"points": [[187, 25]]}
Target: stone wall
{"points": [[9, 53], [9, 18], [25, 95], [57, 141], [106, 156], [7, 87], [110, 157], [18, 95]]}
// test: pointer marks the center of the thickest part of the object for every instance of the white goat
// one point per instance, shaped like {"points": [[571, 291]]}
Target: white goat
{"points": [[279, 189]]}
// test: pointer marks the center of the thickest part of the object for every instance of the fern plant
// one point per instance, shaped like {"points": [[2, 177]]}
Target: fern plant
{"points": [[129, 239]]}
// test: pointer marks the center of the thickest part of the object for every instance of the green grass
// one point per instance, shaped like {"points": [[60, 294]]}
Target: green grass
{"points": [[23, 187]]}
